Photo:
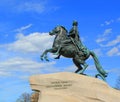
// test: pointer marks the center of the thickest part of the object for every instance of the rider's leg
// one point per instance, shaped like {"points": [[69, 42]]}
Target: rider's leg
{"points": [[58, 51], [64, 43]]}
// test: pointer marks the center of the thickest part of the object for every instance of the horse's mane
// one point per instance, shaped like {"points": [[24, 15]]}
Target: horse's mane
{"points": [[64, 28]]}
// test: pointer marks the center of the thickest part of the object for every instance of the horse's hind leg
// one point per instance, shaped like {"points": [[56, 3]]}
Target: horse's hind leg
{"points": [[85, 65], [78, 62], [77, 65]]}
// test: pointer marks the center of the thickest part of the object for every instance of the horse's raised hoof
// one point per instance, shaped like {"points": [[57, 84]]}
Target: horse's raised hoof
{"points": [[46, 59]]}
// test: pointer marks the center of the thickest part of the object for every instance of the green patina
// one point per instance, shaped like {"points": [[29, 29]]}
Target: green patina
{"points": [[69, 45]]}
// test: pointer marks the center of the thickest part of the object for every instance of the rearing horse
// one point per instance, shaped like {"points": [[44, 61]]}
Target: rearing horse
{"points": [[70, 50]]}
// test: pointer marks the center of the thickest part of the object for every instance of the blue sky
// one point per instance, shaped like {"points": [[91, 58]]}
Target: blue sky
{"points": [[24, 27]]}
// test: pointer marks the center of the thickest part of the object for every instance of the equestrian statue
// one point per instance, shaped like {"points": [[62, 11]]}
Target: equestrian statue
{"points": [[68, 44]]}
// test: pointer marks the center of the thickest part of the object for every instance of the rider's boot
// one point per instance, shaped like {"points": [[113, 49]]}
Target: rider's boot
{"points": [[58, 57]]}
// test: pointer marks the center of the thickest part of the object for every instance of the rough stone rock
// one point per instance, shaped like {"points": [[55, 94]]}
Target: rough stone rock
{"points": [[71, 87]]}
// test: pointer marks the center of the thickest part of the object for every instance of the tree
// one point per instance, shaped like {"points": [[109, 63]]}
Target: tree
{"points": [[25, 97], [35, 96]]}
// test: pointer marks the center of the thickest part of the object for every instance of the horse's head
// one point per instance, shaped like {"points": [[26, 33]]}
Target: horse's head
{"points": [[58, 30]]}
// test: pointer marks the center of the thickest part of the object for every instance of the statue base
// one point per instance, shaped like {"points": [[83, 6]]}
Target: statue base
{"points": [[72, 87]]}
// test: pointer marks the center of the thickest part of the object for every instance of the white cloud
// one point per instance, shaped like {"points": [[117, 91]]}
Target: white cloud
{"points": [[27, 6], [23, 28], [101, 39], [118, 19], [37, 7], [107, 32], [108, 22], [104, 36], [101, 24], [114, 70], [23, 65], [98, 52], [20, 57], [5, 73], [113, 42], [32, 43], [114, 51]]}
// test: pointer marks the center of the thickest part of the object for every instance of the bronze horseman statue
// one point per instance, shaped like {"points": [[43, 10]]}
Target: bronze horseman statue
{"points": [[70, 46]]}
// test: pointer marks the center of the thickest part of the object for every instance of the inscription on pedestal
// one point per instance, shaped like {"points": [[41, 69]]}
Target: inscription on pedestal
{"points": [[57, 85]]}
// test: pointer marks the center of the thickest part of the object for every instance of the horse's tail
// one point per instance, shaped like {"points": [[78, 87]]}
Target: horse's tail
{"points": [[97, 64]]}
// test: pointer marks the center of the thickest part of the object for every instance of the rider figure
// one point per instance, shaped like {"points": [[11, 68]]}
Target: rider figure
{"points": [[74, 37], [74, 30]]}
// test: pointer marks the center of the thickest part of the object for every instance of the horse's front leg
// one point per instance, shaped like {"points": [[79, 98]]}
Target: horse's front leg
{"points": [[44, 55]]}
